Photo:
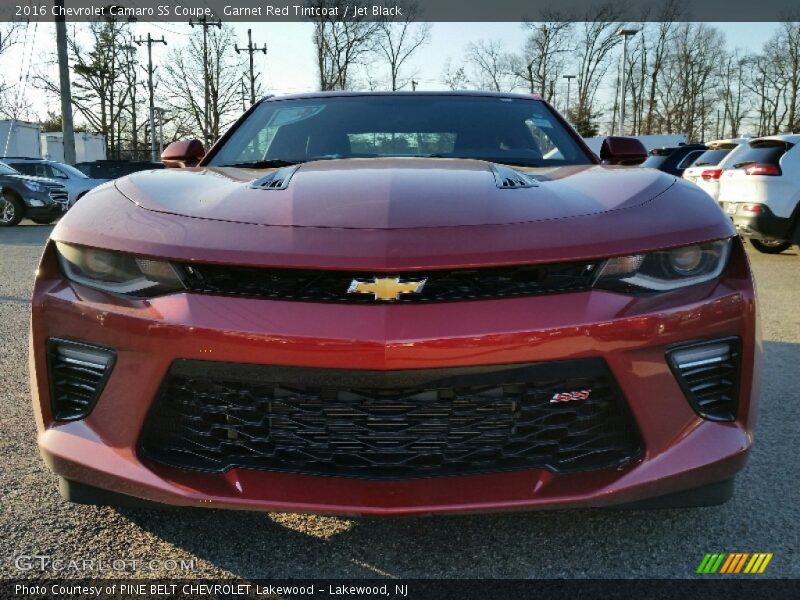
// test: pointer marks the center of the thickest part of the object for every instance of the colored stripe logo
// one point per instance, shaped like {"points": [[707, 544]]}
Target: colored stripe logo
{"points": [[729, 563]]}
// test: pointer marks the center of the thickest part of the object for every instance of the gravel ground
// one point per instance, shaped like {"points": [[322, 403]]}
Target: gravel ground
{"points": [[763, 516]]}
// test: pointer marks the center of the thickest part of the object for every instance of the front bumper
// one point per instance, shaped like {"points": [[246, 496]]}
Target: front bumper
{"points": [[631, 335], [50, 211]]}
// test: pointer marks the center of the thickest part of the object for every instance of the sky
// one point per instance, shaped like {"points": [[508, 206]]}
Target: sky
{"points": [[290, 62]]}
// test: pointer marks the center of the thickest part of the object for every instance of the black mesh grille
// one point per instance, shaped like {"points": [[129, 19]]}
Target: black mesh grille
{"points": [[332, 286], [390, 424], [77, 373], [711, 381]]}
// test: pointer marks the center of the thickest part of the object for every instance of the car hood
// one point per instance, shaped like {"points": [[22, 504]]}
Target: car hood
{"points": [[392, 194]]}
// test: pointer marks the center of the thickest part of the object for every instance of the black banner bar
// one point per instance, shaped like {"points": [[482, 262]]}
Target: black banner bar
{"points": [[428, 10], [711, 588]]}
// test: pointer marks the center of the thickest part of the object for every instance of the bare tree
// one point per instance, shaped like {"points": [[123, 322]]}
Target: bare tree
{"points": [[9, 34], [454, 78], [491, 64], [341, 45], [98, 89], [784, 46], [689, 79], [398, 39], [184, 85], [598, 37], [731, 90], [543, 57], [655, 52]]}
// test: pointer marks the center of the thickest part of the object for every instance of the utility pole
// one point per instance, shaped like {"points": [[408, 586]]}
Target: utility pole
{"points": [[244, 94], [414, 85], [569, 79], [150, 41], [66, 92], [625, 33], [251, 50], [160, 112], [205, 24]]}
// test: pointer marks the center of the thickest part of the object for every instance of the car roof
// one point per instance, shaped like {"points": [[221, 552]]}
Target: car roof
{"points": [[784, 137], [740, 140], [456, 93]]}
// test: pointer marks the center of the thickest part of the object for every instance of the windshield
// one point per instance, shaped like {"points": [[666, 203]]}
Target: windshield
{"points": [[766, 151], [710, 158], [654, 161], [516, 131], [72, 171], [6, 170]]}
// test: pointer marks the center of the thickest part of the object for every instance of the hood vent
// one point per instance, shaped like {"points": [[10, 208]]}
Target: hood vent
{"points": [[507, 178], [277, 180]]}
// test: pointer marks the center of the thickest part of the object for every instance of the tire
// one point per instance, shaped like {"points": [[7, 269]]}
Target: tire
{"points": [[770, 246], [12, 209], [44, 221]]}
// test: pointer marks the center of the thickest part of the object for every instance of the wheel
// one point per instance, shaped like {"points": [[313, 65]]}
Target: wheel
{"points": [[770, 246], [11, 209], [44, 221]]}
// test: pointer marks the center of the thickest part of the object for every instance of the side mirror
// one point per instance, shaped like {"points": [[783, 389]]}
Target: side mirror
{"points": [[622, 151], [185, 153]]}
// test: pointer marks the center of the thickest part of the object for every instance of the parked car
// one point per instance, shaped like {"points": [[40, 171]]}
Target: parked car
{"points": [[36, 198], [76, 182], [673, 160], [761, 192], [395, 304], [707, 168], [113, 169]]}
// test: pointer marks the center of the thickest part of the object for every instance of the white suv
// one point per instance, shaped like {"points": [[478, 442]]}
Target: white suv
{"points": [[760, 191], [708, 167]]}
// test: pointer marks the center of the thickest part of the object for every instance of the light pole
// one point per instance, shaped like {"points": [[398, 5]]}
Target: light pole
{"points": [[625, 33], [569, 79]]}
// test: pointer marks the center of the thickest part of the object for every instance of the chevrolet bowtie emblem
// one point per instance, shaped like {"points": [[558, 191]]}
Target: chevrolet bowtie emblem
{"points": [[386, 288]]}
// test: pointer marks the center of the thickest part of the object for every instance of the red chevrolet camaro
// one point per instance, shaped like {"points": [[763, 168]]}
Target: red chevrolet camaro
{"points": [[391, 304]]}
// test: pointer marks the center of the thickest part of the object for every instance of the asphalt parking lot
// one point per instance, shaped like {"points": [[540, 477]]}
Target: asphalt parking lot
{"points": [[764, 515]]}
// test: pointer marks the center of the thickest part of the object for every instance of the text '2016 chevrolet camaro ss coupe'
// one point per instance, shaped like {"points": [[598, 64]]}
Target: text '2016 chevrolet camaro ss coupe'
{"points": [[389, 304]]}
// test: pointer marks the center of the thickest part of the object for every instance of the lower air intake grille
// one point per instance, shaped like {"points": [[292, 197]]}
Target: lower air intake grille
{"points": [[77, 373], [708, 373], [390, 424]]}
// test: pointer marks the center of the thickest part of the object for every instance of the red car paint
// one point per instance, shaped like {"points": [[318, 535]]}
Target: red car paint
{"points": [[392, 215]]}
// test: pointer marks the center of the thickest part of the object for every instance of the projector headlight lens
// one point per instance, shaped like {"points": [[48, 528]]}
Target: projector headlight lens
{"points": [[667, 269], [117, 272]]}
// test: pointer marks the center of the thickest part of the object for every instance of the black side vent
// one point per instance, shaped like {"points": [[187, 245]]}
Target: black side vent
{"points": [[708, 374], [507, 178], [277, 180], [78, 373]]}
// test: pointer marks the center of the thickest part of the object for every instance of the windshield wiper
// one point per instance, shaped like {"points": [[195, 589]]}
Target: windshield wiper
{"points": [[743, 164], [262, 164]]}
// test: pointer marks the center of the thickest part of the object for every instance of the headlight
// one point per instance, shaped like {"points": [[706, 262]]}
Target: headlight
{"points": [[665, 270], [34, 186], [117, 272]]}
